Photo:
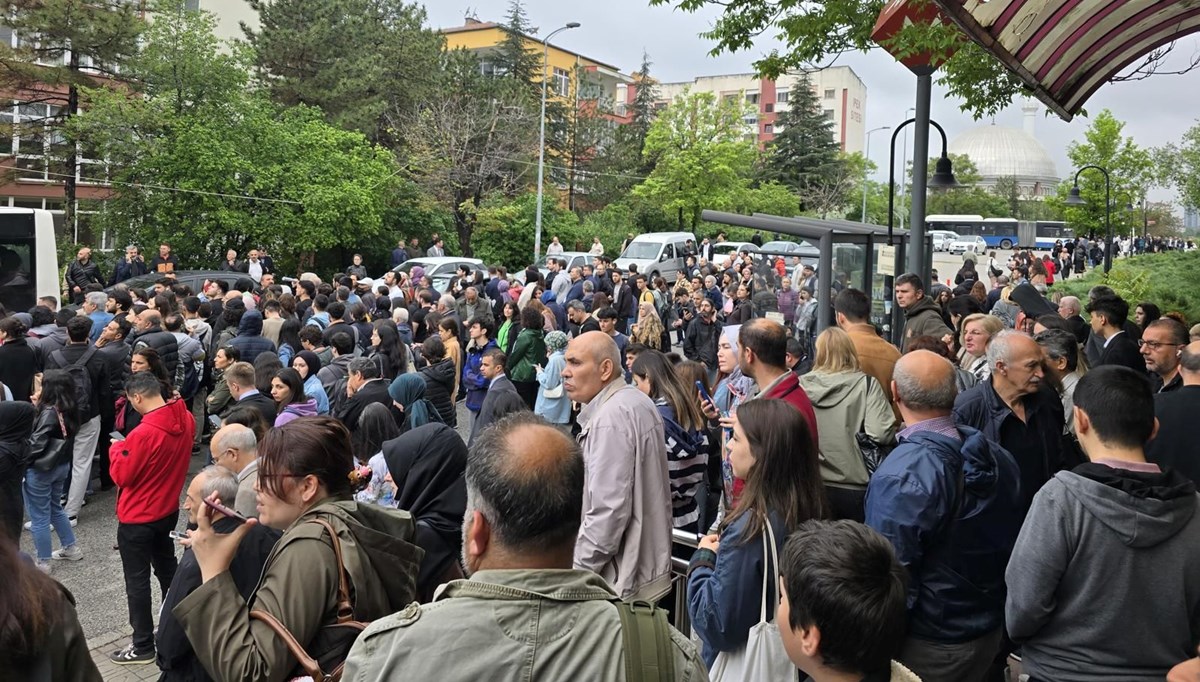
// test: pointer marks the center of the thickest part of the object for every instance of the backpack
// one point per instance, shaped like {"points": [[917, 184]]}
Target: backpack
{"points": [[192, 373], [646, 638], [80, 376]]}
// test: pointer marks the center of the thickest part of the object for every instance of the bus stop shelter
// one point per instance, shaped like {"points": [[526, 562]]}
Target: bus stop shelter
{"points": [[851, 254]]}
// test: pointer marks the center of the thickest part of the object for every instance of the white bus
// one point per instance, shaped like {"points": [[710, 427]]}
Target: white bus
{"points": [[28, 258]]}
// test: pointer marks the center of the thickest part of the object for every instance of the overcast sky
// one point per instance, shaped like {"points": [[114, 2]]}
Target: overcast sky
{"points": [[617, 31]]}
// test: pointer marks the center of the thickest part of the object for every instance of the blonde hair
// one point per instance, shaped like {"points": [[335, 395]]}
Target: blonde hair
{"points": [[990, 323], [835, 352]]}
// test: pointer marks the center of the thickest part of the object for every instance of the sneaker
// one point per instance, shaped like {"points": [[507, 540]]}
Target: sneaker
{"points": [[72, 553], [129, 656], [43, 566], [28, 525], [74, 520]]}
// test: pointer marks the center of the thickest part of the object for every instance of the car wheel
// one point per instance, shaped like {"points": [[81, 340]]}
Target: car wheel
{"points": [[1006, 244]]}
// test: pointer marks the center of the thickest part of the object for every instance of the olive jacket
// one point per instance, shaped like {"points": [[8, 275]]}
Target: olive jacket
{"points": [[299, 588]]}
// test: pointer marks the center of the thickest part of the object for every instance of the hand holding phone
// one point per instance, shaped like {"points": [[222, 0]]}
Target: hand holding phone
{"points": [[117, 436], [217, 506]]}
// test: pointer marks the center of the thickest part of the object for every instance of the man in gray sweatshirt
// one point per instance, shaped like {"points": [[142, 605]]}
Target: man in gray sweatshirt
{"points": [[1104, 581]]}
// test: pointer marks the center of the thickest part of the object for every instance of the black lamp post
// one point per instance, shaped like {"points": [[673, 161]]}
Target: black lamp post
{"points": [[1073, 199], [943, 173]]}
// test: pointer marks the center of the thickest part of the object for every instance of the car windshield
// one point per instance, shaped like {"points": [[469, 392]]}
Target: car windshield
{"points": [[642, 250]]}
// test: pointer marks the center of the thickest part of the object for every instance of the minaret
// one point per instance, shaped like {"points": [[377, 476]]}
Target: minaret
{"points": [[1030, 109]]}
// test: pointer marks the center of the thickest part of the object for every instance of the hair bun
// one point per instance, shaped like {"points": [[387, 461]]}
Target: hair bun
{"points": [[360, 476]]}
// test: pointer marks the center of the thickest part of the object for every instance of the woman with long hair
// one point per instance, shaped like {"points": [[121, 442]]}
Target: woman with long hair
{"points": [[1145, 313], [771, 449], [528, 352], [448, 331], [376, 426], [146, 359], [976, 332], [305, 489], [439, 379], [388, 350], [307, 364], [289, 341], [287, 390], [846, 401], [41, 638], [220, 401], [684, 428], [50, 447], [510, 326], [648, 330], [18, 360]]}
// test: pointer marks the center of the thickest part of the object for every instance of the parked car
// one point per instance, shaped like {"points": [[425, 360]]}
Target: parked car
{"points": [[973, 243], [722, 249], [942, 239], [193, 278], [574, 259], [441, 269], [656, 253]]}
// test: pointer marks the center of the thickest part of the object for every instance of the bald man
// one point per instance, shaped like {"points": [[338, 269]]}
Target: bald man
{"points": [[948, 499], [1017, 408], [626, 531], [235, 447], [1178, 411]]}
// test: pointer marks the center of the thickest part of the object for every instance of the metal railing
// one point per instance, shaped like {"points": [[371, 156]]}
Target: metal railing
{"points": [[682, 543]]}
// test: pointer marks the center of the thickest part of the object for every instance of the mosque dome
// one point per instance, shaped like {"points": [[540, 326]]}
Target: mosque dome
{"points": [[1001, 152]]}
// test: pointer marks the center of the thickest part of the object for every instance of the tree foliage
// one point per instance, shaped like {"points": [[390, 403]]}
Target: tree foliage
{"points": [[803, 155], [1182, 166]]}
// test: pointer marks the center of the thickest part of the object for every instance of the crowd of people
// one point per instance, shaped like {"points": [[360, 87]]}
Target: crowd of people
{"points": [[1008, 481]]}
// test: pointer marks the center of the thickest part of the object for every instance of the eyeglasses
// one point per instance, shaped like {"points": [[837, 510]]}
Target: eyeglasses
{"points": [[1154, 345]]}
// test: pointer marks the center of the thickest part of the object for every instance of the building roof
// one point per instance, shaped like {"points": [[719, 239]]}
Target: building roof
{"points": [[1000, 152], [473, 25], [1064, 50]]}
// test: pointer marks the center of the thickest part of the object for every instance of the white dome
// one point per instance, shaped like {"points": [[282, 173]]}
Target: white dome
{"points": [[1000, 152]]}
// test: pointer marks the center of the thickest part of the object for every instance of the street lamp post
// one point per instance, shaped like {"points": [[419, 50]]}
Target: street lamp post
{"points": [[943, 173], [865, 166], [537, 230], [1073, 199], [903, 165]]}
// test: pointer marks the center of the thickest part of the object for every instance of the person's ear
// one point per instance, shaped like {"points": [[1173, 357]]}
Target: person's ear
{"points": [[1154, 431], [1083, 423], [309, 488], [810, 641], [895, 392], [479, 535]]}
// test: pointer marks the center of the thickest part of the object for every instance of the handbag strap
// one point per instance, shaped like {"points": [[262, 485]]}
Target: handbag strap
{"points": [[345, 608], [771, 569]]}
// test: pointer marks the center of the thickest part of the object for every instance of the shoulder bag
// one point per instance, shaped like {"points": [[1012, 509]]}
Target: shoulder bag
{"points": [[763, 658], [646, 638], [873, 452], [340, 634], [55, 452]]}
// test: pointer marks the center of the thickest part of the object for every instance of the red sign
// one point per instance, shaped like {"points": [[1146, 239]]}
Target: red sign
{"points": [[900, 13]]}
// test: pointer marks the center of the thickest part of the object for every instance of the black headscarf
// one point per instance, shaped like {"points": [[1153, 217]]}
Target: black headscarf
{"points": [[16, 423], [310, 359], [427, 465]]}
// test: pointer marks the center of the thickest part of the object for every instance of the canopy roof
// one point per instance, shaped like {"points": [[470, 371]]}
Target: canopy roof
{"points": [[1065, 49]]}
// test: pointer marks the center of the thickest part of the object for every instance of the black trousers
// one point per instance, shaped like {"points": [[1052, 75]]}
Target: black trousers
{"points": [[846, 503], [144, 546]]}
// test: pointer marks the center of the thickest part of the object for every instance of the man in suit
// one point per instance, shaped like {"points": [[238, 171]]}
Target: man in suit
{"points": [[231, 263], [240, 379], [492, 369], [363, 387], [1109, 313], [623, 301], [1069, 307]]}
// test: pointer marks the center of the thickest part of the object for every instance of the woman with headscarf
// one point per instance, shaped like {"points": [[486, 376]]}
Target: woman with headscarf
{"points": [[649, 328], [408, 395], [16, 424], [426, 465], [376, 426], [308, 364], [555, 409]]}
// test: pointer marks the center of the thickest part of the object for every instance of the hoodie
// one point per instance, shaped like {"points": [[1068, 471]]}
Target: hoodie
{"points": [[293, 411], [439, 387], [249, 340], [149, 466], [1104, 581], [924, 318], [846, 403]]}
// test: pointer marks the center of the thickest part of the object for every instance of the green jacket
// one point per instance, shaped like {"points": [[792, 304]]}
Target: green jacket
{"points": [[528, 352], [533, 624], [299, 587]]}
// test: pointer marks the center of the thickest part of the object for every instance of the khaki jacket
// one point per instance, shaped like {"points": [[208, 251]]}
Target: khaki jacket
{"points": [[299, 587], [508, 625], [627, 520]]}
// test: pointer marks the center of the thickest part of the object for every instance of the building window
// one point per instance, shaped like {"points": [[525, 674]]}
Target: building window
{"points": [[768, 128], [561, 82], [769, 108], [830, 93], [752, 98], [489, 68], [829, 114], [781, 96]]}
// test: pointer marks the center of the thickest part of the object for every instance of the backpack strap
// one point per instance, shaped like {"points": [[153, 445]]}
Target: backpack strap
{"points": [[646, 638]]}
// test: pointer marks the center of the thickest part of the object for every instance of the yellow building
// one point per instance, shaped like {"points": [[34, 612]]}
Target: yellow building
{"points": [[602, 80]]}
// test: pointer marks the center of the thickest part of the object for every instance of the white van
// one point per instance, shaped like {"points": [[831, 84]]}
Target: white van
{"points": [[657, 253], [28, 258]]}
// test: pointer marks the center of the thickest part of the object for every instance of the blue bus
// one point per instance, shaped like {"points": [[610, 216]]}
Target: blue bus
{"points": [[1003, 233]]}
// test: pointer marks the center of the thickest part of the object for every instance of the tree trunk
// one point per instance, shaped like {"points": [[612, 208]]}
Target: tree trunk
{"points": [[69, 186]]}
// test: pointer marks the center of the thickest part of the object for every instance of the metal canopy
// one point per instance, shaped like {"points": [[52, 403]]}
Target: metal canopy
{"points": [[1064, 50]]}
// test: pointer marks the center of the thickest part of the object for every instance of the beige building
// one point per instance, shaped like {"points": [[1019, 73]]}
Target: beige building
{"points": [[229, 14], [841, 93]]}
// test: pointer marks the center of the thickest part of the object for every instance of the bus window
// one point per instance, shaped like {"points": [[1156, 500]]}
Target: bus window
{"points": [[18, 291]]}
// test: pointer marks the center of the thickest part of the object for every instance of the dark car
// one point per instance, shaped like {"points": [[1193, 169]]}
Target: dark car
{"points": [[193, 278]]}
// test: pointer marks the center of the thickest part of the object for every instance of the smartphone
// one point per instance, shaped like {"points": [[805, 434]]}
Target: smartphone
{"points": [[704, 392], [116, 435], [178, 535], [225, 510]]}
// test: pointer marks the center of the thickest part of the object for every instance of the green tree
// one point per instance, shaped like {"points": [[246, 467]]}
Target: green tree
{"points": [[618, 163], [834, 187], [224, 167], [1183, 164], [1130, 170], [1008, 189], [354, 59], [803, 154], [704, 157], [969, 198], [514, 58], [63, 45]]}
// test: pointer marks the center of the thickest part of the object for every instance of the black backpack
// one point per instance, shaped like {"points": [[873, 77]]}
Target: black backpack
{"points": [[80, 375]]}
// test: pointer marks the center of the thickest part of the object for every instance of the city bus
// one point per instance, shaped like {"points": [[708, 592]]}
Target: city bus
{"points": [[1004, 233], [28, 258]]}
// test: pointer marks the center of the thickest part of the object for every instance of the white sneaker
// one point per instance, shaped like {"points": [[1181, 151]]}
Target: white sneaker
{"points": [[74, 520], [43, 566], [72, 553], [28, 525]]}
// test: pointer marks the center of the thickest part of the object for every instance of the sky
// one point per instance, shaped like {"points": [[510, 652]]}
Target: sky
{"points": [[617, 32]]}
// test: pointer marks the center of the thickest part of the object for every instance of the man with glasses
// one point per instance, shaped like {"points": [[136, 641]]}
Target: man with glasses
{"points": [[1161, 344], [234, 447]]}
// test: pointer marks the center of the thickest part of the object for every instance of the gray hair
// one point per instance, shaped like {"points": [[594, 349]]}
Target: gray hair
{"points": [[576, 305], [219, 480], [367, 367], [1000, 347], [919, 391], [400, 315], [447, 301], [97, 298], [1060, 344], [588, 286], [710, 281], [1071, 303]]}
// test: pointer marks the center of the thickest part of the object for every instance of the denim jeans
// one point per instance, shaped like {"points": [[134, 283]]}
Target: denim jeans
{"points": [[42, 490]]}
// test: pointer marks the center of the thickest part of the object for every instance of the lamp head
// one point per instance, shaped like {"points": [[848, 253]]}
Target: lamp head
{"points": [[943, 175], [573, 24], [1073, 198]]}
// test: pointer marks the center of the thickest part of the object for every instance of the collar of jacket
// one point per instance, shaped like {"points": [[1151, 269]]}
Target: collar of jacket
{"points": [[589, 410], [529, 585], [1000, 409]]}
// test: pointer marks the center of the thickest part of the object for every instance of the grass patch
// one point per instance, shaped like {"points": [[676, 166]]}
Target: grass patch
{"points": [[1169, 280]]}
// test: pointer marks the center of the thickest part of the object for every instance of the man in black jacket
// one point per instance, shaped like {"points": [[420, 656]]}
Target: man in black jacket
{"points": [[239, 377], [1109, 313], [165, 261], [176, 657], [80, 353], [363, 387], [624, 301], [150, 333], [112, 347], [132, 265], [703, 334], [80, 273], [1175, 446]]}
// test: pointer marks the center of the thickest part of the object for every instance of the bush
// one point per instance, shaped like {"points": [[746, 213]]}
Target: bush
{"points": [[1169, 280]]}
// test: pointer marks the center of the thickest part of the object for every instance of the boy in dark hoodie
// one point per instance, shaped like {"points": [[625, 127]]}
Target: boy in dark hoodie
{"points": [[1104, 581]]}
